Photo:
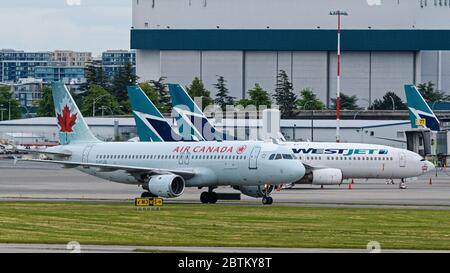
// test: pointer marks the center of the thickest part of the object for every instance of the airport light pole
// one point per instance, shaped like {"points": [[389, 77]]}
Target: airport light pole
{"points": [[95, 100], [2, 110], [393, 103], [338, 13]]}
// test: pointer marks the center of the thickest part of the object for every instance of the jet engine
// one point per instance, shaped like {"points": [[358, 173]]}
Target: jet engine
{"points": [[256, 191], [168, 185], [327, 176]]}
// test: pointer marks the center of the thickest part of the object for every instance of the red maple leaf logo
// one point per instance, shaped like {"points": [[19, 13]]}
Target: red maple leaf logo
{"points": [[241, 149], [66, 120]]}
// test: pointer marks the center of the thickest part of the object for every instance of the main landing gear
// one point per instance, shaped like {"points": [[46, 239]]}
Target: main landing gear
{"points": [[209, 196], [402, 185], [146, 194]]}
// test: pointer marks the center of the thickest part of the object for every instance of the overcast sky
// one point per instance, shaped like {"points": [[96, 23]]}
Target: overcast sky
{"points": [[81, 25]]}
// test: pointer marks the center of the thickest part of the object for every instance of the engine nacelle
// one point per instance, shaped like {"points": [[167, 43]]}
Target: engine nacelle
{"points": [[322, 177], [255, 191], [168, 186]]}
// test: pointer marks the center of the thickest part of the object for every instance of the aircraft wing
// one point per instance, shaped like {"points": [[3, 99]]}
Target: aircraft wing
{"points": [[111, 168], [66, 154]]}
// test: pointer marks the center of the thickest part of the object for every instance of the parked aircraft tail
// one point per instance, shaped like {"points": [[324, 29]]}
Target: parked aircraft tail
{"points": [[72, 126], [190, 118], [151, 124], [420, 113]]}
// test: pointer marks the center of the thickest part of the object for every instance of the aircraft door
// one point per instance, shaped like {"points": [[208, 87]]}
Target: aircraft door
{"points": [[402, 160], [253, 160], [85, 155]]}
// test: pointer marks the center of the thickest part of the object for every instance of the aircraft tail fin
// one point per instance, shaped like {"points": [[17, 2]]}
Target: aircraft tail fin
{"points": [[151, 124], [190, 118], [72, 126], [420, 113]]}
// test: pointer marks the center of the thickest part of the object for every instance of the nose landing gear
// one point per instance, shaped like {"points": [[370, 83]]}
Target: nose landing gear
{"points": [[267, 200]]}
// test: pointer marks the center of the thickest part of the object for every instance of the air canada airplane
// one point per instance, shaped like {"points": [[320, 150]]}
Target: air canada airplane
{"points": [[164, 169], [330, 163]]}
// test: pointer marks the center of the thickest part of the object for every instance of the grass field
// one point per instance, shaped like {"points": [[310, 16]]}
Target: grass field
{"points": [[219, 225]]}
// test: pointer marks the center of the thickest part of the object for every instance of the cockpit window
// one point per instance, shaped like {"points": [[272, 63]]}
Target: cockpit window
{"points": [[272, 156], [278, 156], [287, 156]]}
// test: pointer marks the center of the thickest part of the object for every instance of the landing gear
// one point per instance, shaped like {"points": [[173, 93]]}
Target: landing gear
{"points": [[390, 182], [208, 197], [146, 194], [402, 184], [267, 200]]}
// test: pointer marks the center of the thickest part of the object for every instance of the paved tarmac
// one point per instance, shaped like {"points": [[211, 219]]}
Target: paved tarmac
{"points": [[34, 181], [46, 248]]}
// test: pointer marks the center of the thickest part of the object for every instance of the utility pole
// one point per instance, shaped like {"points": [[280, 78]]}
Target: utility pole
{"points": [[339, 13]]}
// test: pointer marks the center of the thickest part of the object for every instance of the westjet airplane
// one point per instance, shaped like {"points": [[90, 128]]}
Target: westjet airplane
{"points": [[420, 111], [164, 169], [330, 163]]}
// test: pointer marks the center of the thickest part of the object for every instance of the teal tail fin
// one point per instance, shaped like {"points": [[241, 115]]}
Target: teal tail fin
{"points": [[151, 124], [190, 118], [72, 126], [420, 113]]}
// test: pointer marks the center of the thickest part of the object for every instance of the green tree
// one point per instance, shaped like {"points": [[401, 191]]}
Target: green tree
{"points": [[197, 89], [46, 108], [284, 95], [257, 97], [103, 99], [429, 93], [347, 102], [223, 97], [160, 87], [122, 79], [151, 93], [385, 103], [8, 102], [95, 75], [309, 101]]}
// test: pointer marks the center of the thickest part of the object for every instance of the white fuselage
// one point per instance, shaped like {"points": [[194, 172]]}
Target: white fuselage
{"points": [[213, 163], [362, 160]]}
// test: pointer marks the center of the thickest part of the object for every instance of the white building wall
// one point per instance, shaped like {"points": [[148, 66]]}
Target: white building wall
{"points": [[355, 73], [148, 64], [261, 68], [390, 72], [180, 66], [228, 64], [310, 70], [287, 14]]}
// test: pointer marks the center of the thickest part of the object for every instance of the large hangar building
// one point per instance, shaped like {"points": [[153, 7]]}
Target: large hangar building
{"points": [[385, 43]]}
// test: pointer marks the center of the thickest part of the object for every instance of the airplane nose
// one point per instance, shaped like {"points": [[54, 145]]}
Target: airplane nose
{"points": [[428, 167], [298, 170]]}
